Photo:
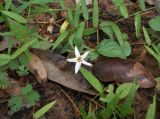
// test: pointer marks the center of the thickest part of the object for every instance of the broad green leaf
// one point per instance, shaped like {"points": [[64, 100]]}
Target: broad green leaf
{"points": [[43, 110], [137, 22], [92, 79], [4, 59], [124, 11], [23, 48], [141, 4], [155, 23], [84, 9], [110, 48], [95, 19], [146, 36], [20, 31], [70, 16], [118, 33], [78, 41], [124, 89], [106, 27], [151, 109], [77, 15], [126, 48], [60, 39], [15, 16]]}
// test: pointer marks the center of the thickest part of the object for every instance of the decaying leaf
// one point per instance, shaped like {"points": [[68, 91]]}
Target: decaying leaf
{"points": [[37, 68], [152, 2], [63, 74], [119, 70]]}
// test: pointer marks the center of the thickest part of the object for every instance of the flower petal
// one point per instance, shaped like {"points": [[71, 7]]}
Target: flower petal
{"points": [[85, 55], [86, 63], [72, 60], [77, 67], [77, 52]]}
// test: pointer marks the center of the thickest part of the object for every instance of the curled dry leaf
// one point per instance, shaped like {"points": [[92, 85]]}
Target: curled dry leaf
{"points": [[119, 70], [37, 68], [63, 74]]}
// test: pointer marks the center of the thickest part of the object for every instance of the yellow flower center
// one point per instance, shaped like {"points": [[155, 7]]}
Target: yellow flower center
{"points": [[79, 59]]}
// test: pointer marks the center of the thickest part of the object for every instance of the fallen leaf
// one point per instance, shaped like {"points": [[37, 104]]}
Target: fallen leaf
{"points": [[152, 2], [37, 68], [63, 74], [123, 71]]}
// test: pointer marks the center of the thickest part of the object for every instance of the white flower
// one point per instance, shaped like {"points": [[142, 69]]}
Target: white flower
{"points": [[79, 59]]}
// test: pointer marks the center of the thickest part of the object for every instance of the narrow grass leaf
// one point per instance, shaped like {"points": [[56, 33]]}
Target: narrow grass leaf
{"points": [[92, 79], [7, 4], [126, 107], [19, 31], [151, 109], [137, 22], [62, 4], [146, 36], [23, 48], [124, 11], [84, 10], [43, 110], [95, 19], [77, 15], [118, 33], [70, 16], [15, 16], [142, 4], [78, 37], [60, 40], [4, 59], [111, 106]]}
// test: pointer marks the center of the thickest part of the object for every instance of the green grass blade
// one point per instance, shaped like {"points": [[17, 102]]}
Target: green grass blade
{"points": [[23, 48], [43, 110], [77, 15], [60, 39], [151, 109], [146, 36], [95, 19], [15, 16], [141, 4], [92, 79], [84, 10], [137, 22]]}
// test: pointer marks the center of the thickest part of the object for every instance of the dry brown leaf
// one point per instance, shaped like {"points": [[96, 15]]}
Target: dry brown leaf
{"points": [[37, 68], [119, 70], [153, 2], [64, 76]]}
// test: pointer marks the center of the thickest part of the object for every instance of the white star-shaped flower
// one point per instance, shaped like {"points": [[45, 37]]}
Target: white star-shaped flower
{"points": [[79, 59]]}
